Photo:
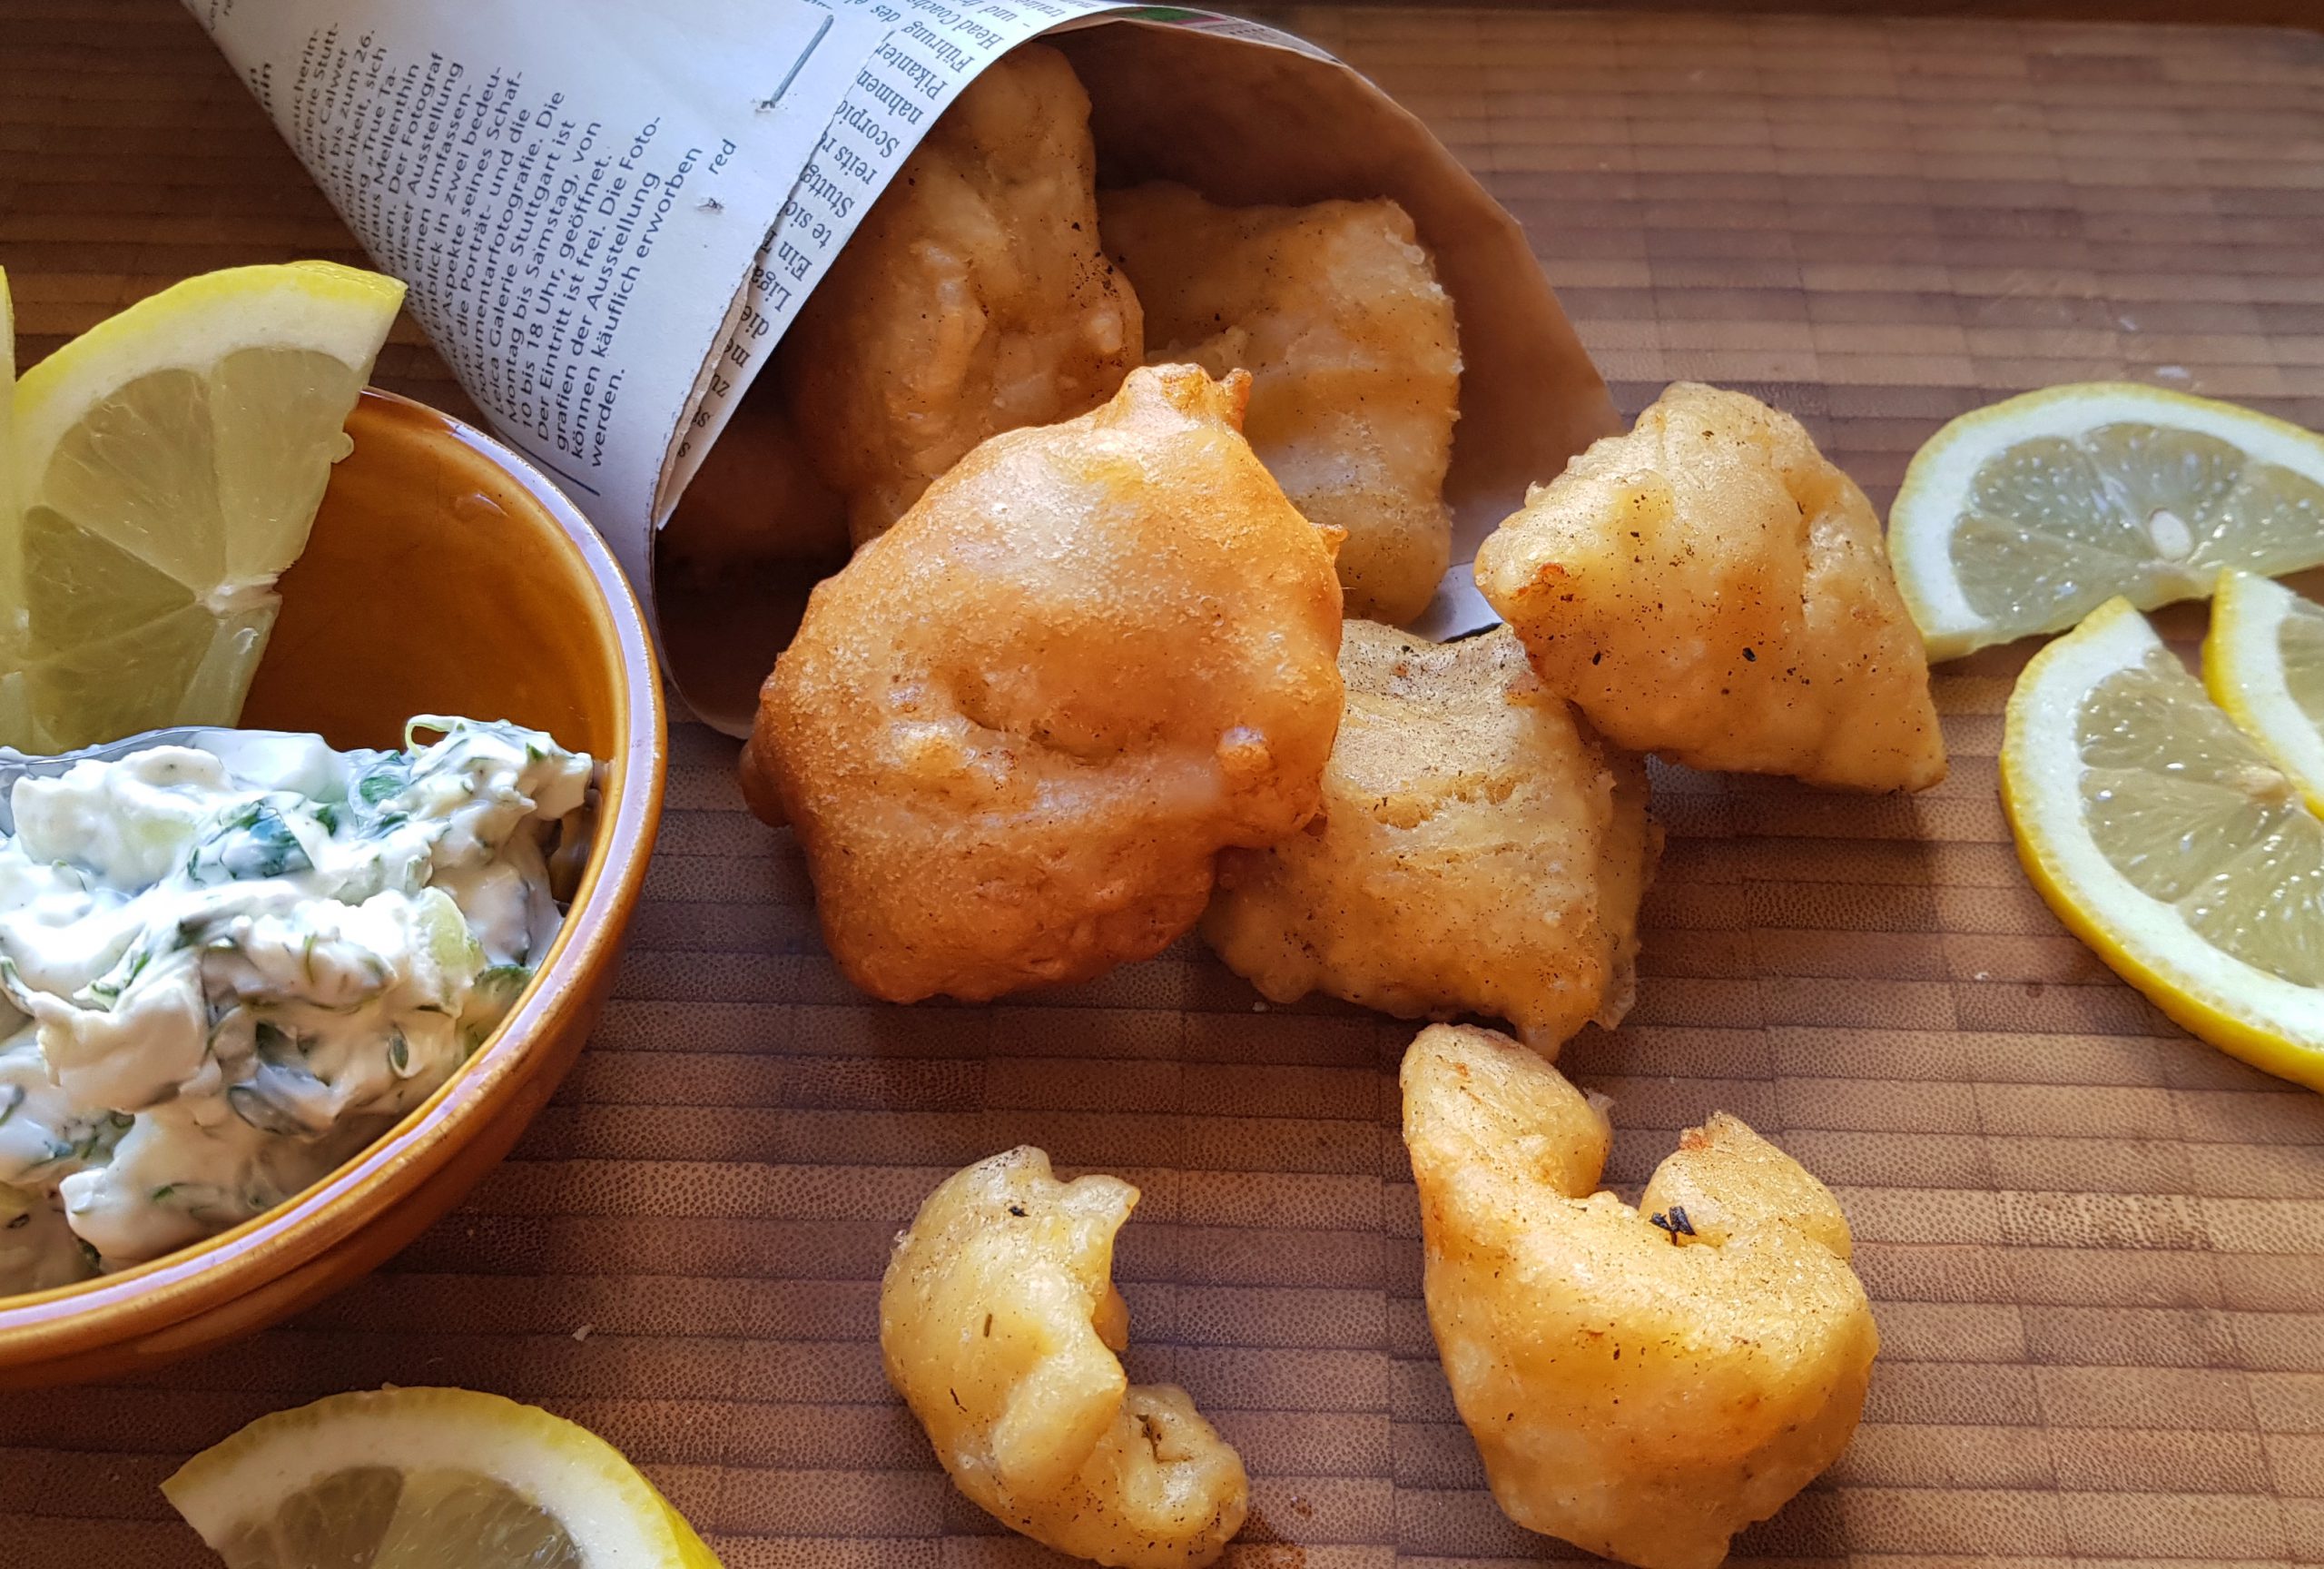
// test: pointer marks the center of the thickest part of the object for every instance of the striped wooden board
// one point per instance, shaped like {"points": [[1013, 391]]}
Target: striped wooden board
{"points": [[2096, 1248]]}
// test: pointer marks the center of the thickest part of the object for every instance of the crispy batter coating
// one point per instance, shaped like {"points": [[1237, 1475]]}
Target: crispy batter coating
{"points": [[1710, 588], [1479, 850], [1354, 356], [973, 299], [1643, 1383], [998, 1323], [1015, 732]]}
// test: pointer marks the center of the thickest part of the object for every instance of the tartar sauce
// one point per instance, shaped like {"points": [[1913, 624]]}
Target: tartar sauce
{"points": [[219, 981]]}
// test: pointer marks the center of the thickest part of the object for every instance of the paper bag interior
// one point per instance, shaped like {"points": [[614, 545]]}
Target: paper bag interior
{"points": [[1243, 124]]}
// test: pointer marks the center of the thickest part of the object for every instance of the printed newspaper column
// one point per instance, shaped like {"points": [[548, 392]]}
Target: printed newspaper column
{"points": [[608, 213], [572, 198]]}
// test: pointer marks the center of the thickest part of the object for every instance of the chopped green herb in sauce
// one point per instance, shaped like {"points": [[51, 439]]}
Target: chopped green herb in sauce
{"points": [[220, 975]]}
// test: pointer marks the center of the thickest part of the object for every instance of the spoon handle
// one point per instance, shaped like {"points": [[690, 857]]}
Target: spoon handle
{"points": [[217, 741]]}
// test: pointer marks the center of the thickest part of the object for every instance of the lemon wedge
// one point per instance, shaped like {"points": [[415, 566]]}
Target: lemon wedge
{"points": [[427, 1479], [168, 465], [16, 715], [2264, 664], [2024, 517], [2167, 841]]}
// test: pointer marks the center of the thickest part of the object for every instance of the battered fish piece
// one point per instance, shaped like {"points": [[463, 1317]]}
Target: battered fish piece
{"points": [[972, 301], [1015, 731], [1642, 1383], [1479, 850], [1354, 356], [1711, 589], [998, 1323]]}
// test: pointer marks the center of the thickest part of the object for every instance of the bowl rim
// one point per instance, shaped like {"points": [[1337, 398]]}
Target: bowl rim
{"points": [[152, 1297]]}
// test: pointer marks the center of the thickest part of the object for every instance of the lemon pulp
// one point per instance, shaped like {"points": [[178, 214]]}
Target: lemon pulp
{"points": [[2300, 639], [376, 1517], [2264, 664], [427, 1479], [15, 714], [2057, 526], [2196, 816], [2024, 517]]}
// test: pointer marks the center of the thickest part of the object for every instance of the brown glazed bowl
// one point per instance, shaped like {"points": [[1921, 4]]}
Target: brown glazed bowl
{"points": [[444, 576]]}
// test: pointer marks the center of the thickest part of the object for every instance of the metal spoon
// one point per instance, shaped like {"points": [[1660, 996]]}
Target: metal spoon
{"points": [[225, 745], [240, 751]]}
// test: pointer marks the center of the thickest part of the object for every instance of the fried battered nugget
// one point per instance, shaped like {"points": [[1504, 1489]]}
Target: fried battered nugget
{"points": [[1355, 355], [1015, 732], [1642, 1383], [998, 1323], [973, 299], [1710, 588], [1479, 851]]}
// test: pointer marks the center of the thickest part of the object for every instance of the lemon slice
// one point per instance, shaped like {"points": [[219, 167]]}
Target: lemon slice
{"points": [[2024, 517], [2264, 664], [169, 462], [2165, 838], [427, 1479]]}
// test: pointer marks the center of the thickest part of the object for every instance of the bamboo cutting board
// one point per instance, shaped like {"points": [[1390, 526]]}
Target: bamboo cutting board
{"points": [[2095, 1248]]}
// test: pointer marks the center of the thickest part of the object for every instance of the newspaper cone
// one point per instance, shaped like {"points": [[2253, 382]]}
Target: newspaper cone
{"points": [[608, 218]]}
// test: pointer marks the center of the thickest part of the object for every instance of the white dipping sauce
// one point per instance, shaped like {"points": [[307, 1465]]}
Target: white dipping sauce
{"points": [[217, 985]]}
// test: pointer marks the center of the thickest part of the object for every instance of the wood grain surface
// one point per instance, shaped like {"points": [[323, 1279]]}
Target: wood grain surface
{"points": [[2096, 1248]]}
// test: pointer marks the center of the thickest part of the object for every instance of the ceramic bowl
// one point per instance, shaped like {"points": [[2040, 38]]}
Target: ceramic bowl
{"points": [[444, 576]]}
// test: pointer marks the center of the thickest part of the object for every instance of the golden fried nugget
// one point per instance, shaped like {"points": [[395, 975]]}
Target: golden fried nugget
{"points": [[1642, 1383], [1354, 353], [973, 299], [1015, 732], [1479, 851], [1711, 589], [999, 1325]]}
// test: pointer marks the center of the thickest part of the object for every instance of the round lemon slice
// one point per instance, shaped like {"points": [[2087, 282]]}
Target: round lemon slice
{"points": [[2165, 838], [427, 1479], [168, 465], [2264, 664], [2024, 517]]}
